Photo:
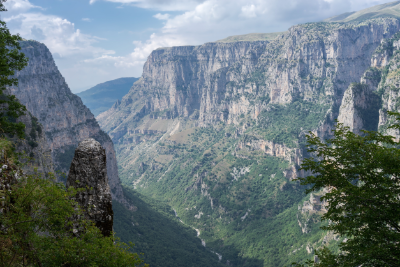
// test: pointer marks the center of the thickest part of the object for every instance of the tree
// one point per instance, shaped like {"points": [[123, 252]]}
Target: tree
{"points": [[11, 60], [35, 229], [362, 176]]}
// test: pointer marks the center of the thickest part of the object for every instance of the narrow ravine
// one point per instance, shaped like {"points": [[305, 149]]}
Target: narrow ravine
{"points": [[198, 235]]}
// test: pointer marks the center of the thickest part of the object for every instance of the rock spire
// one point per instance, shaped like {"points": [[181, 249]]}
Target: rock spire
{"points": [[89, 171]]}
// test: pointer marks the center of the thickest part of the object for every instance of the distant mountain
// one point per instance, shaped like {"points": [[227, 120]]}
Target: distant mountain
{"points": [[391, 10], [102, 96], [251, 37]]}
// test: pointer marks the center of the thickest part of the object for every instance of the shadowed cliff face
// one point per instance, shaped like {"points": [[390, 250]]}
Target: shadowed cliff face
{"points": [[34, 146], [66, 121]]}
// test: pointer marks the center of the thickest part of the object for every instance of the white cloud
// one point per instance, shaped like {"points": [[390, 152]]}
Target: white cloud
{"points": [[69, 46], [59, 35], [249, 11], [162, 16], [19, 6], [164, 5], [86, 19], [142, 50]]}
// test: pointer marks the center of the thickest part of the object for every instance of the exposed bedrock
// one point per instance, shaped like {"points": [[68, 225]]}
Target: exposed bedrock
{"points": [[66, 120], [314, 62], [89, 172]]}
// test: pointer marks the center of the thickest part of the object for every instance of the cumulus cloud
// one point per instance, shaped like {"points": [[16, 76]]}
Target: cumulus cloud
{"points": [[57, 33], [164, 5], [162, 16], [69, 46], [141, 52], [19, 6]]}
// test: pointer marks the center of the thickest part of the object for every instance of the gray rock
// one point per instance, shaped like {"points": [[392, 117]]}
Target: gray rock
{"points": [[65, 119], [89, 171]]}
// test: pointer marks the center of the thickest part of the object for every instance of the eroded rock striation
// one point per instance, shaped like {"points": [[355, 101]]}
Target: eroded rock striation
{"points": [[89, 171]]}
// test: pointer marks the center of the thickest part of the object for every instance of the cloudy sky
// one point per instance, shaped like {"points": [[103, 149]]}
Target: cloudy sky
{"points": [[94, 41]]}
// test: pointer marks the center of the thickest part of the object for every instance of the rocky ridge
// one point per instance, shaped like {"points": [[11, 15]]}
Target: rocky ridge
{"points": [[66, 121]]}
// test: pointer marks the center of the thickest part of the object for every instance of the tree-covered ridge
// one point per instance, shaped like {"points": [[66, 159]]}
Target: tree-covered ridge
{"points": [[390, 9], [159, 234], [221, 182]]}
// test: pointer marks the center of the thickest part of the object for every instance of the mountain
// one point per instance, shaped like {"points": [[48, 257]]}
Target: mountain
{"points": [[102, 96], [66, 121], [55, 124], [251, 37], [217, 131], [388, 10]]}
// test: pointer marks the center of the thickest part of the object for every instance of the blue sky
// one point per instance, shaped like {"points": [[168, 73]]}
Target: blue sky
{"points": [[94, 41]]}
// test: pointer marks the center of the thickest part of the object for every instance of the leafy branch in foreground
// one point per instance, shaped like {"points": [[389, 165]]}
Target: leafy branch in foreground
{"points": [[11, 60], [362, 176], [35, 225]]}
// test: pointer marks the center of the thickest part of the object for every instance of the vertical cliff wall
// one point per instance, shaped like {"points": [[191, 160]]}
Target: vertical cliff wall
{"points": [[314, 62], [66, 121]]}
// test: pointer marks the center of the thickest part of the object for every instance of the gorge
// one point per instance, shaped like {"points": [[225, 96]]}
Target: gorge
{"points": [[214, 135]]}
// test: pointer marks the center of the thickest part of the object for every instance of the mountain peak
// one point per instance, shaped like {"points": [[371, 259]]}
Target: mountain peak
{"points": [[386, 10]]}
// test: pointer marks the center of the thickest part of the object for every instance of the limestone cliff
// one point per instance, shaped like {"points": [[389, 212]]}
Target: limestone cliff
{"points": [[214, 82], [360, 108], [218, 130], [66, 121]]}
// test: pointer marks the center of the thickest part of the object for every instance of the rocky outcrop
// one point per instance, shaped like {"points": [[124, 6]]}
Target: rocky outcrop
{"points": [[89, 172], [66, 121], [390, 86], [360, 108]]}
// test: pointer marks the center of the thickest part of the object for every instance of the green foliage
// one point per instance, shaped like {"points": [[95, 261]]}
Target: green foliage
{"points": [[35, 229], [10, 61], [284, 124], [362, 176], [158, 234], [198, 178]]}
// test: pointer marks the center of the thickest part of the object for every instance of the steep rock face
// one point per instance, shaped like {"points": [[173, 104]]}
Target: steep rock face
{"points": [[34, 146], [89, 171], [389, 86], [219, 82], [360, 108], [173, 80], [65, 119]]}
